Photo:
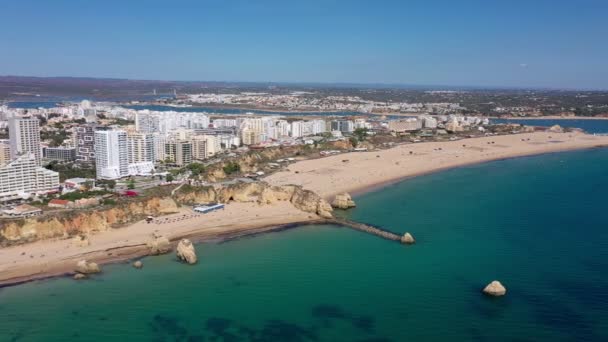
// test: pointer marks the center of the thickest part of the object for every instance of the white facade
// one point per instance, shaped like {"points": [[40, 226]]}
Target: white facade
{"points": [[141, 148], [24, 136], [23, 176], [111, 153]]}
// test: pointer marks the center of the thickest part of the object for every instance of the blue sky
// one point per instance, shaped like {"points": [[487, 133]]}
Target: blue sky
{"points": [[534, 43]]}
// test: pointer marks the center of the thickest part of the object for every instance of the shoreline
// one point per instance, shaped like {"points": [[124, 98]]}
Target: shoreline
{"points": [[327, 176], [376, 169], [384, 184], [22, 263]]}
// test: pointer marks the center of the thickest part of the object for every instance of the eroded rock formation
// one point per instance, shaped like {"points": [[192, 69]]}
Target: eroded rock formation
{"points": [[86, 267], [495, 289], [185, 252], [343, 201]]}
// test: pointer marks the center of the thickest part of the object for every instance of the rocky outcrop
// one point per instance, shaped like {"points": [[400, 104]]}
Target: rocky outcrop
{"points": [[81, 241], [407, 239], [343, 201], [158, 245], [259, 192], [556, 129], [185, 252], [79, 276], [138, 264], [495, 289], [83, 222], [310, 202], [86, 267]]}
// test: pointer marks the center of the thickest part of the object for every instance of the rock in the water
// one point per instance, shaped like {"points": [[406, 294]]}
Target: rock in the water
{"points": [[160, 245], [138, 264], [79, 276], [495, 288], [186, 252], [343, 201], [407, 238], [85, 267], [556, 129]]}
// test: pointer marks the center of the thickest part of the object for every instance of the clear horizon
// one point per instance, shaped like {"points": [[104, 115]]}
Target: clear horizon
{"points": [[546, 45]]}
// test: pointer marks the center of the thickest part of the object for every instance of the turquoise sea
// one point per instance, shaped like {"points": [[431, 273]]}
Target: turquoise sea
{"points": [[538, 224], [588, 125]]}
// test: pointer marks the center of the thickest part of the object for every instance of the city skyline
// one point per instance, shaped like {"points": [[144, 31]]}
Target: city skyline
{"points": [[514, 45]]}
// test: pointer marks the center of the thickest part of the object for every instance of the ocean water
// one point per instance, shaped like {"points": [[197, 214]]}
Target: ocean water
{"points": [[537, 224], [588, 125]]}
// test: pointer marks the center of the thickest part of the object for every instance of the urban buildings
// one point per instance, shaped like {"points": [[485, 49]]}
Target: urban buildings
{"points": [[85, 144], [5, 151], [141, 148], [111, 154], [22, 177], [59, 153], [24, 136]]}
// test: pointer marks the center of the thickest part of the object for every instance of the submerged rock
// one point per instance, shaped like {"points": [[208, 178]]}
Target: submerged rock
{"points": [[79, 276], [160, 245], [495, 289], [85, 267], [186, 252], [408, 239], [138, 264], [343, 201]]}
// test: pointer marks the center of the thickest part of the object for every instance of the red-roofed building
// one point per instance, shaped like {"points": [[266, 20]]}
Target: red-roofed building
{"points": [[59, 203]]}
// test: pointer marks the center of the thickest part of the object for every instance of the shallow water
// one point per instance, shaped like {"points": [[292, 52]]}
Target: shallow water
{"points": [[536, 223]]}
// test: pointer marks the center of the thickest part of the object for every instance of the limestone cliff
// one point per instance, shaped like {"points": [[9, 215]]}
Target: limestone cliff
{"points": [[259, 192], [85, 222], [82, 222]]}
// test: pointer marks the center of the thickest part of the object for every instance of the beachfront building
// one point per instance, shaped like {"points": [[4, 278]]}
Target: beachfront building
{"points": [[178, 152], [141, 148], [24, 136], [22, 177], [111, 154], [205, 146], [406, 125], [5, 152], [344, 126], [85, 144]]}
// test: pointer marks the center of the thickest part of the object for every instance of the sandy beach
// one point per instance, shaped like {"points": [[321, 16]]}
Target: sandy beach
{"points": [[359, 171], [56, 257], [349, 172]]}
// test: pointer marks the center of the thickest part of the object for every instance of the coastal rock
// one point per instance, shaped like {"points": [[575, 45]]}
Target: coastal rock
{"points": [[160, 245], [186, 252], [556, 129], [343, 201], [86, 267], [408, 239], [79, 276], [138, 264], [495, 289], [310, 202], [81, 241]]}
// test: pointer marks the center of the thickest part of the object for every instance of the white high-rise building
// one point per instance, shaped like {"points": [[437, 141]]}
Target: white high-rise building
{"points": [[24, 136], [23, 176], [141, 148], [205, 146], [111, 154]]}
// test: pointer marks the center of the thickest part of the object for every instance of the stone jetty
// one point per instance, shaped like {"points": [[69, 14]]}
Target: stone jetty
{"points": [[385, 234]]}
